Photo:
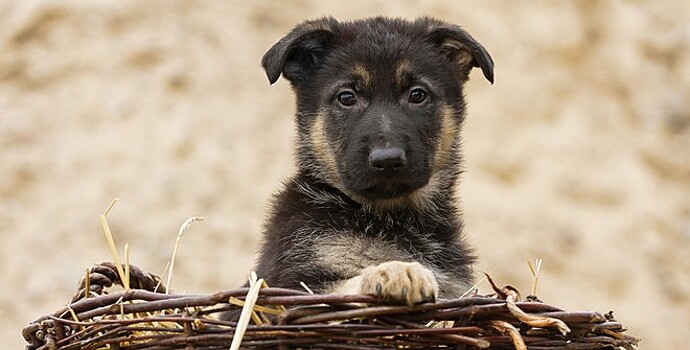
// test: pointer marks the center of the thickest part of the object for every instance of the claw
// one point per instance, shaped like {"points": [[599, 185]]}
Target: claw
{"points": [[404, 293], [379, 289], [433, 298], [423, 293]]}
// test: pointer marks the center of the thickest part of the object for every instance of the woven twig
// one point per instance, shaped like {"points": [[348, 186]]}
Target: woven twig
{"points": [[141, 318]]}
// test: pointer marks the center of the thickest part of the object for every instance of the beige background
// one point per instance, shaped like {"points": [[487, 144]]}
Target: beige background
{"points": [[579, 154]]}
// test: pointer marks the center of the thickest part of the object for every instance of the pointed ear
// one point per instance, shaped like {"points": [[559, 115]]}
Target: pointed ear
{"points": [[462, 49], [300, 52]]}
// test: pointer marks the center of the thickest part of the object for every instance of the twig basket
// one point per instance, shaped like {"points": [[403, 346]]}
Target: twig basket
{"points": [[145, 317]]}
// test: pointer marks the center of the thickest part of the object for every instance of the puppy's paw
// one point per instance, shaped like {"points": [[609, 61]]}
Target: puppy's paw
{"points": [[396, 280]]}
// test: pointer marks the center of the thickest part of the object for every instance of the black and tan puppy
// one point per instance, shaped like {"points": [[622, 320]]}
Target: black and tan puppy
{"points": [[372, 208]]}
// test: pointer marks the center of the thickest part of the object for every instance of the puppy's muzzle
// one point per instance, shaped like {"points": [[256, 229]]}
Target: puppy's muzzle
{"points": [[387, 161]]}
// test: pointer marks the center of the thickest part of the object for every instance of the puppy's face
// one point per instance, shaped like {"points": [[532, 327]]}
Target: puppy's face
{"points": [[383, 114], [379, 101]]}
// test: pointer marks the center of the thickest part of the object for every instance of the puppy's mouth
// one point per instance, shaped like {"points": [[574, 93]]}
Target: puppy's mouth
{"points": [[388, 191]]}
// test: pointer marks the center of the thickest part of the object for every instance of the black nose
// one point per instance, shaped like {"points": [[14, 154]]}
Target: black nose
{"points": [[387, 160]]}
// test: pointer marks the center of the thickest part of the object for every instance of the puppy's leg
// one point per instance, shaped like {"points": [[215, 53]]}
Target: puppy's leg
{"points": [[410, 282]]}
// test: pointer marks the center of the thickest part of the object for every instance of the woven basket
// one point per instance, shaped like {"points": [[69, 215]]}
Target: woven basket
{"points": [[145, 317]]}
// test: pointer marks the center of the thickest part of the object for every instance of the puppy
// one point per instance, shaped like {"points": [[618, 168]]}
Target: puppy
{"points": [[372, 208]]}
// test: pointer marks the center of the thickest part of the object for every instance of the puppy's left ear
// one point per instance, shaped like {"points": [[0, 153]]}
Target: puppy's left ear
{"points": [[462, 49]]}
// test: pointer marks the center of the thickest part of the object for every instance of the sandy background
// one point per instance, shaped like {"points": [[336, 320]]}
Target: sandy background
{"points": [[579, 154]]}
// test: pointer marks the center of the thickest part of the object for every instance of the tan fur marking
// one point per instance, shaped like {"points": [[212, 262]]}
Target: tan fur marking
{"points": [[347, 255], [361, 71], [422, 198], [449, 133], [354, 258], [348, 286], [401, 69], [323, 151]]}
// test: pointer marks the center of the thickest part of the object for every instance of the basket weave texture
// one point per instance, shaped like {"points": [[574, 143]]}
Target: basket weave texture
{"points": [[145, 317]]}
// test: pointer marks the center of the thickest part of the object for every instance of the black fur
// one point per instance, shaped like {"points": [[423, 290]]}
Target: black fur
{"points": [[404, 209]]}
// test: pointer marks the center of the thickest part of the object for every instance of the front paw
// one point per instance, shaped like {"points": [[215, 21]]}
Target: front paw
{"points": [[403, 281]]}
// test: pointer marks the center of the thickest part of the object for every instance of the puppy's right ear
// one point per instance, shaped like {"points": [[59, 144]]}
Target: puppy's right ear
{"points": [[300, 52]]}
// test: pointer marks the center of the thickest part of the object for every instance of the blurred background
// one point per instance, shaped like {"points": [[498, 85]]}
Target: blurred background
{"points": [[579, 154]]}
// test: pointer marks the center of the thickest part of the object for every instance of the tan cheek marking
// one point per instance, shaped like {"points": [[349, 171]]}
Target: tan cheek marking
{"points": [[323, 151], [449, 132], [423, 196]]}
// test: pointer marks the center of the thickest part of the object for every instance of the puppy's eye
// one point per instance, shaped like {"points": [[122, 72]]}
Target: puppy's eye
{"points": [[347, 98], [417, 96]]}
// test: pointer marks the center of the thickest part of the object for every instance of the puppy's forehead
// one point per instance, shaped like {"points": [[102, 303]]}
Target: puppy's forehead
{"points": [[379, 32], [382, 51], [370, 75], [372, 71]]}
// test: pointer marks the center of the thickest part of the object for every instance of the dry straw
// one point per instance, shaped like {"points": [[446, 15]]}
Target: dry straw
{"points": [[534, 268], [183, 228], [111, 243]]}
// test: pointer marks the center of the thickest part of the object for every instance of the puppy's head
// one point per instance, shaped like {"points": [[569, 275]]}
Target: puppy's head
{"points": [[379, 103]]}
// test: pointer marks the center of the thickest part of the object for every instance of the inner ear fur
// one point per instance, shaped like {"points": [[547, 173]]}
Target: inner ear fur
{"points": [[462, 49]]}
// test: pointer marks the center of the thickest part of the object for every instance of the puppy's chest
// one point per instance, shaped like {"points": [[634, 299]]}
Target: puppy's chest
{"points": [[347, 252]]}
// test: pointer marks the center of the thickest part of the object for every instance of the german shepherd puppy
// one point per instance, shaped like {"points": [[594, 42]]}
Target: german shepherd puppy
{"points": [[372, 208]]}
